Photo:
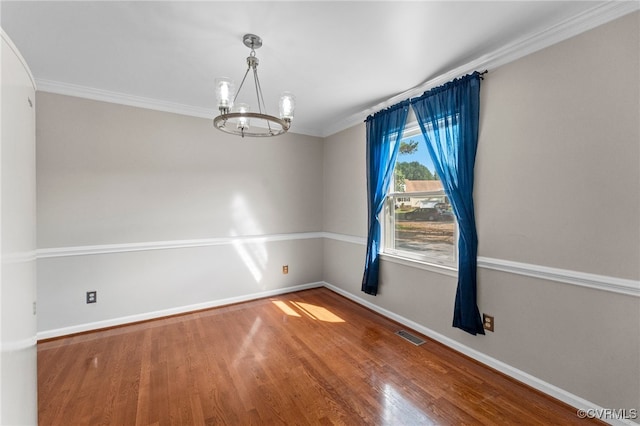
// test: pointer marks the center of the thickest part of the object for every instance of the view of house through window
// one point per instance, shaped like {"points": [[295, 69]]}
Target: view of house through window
{"points": [[419, 221]]}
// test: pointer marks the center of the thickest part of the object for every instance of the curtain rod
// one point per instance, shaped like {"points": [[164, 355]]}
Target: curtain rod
{"points": [[480, 75]]}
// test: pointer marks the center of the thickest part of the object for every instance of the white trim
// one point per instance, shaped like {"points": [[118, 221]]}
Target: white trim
{"points": [[13, 47], [165, 245], [345, 238], [19, 257], [48, 334], [582, 279], [19, 345], [598, 15], [76, 90], [85, 92], [526, 378], [565, 276], [431, 267], [517, 374]]}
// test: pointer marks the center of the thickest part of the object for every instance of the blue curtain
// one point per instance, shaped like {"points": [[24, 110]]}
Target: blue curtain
{"points": [[448, 116], [384, 130]]}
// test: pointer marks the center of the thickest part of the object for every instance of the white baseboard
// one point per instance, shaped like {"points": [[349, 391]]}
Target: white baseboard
{"points": [[80, 328], [519, 375]]}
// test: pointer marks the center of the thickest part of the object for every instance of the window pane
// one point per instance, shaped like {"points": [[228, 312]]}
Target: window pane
{"points": [[419, 221], [425, 226]]}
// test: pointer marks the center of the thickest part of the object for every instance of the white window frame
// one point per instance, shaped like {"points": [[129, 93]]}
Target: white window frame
{"points": [[388, 249]]}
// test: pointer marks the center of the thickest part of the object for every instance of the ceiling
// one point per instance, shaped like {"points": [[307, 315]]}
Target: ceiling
{"points": [[342, 60]]}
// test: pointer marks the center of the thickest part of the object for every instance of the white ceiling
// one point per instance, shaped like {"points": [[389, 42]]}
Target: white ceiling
{"points": [[342, 60]]}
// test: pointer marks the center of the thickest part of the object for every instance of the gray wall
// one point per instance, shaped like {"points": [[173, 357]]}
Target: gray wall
{"points": [[151, 209], [171, 199], [557, 186]]}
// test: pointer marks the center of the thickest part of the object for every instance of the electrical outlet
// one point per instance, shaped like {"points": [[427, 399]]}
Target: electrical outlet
{"points": [[92, 296], [285, 269], [488, 322]]}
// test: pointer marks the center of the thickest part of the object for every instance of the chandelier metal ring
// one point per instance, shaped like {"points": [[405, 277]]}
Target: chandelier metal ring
{"points": [[224, 123]]}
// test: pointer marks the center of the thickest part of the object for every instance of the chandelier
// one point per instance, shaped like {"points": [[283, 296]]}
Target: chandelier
{"points": [[235, 118]]}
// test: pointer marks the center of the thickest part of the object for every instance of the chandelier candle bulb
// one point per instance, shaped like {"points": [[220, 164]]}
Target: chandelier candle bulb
{"points": [[287, 105], [243, 121], [225, 90]]}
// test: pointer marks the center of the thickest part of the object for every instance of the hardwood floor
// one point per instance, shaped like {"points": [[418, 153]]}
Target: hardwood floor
{"points": [[311, 357]]}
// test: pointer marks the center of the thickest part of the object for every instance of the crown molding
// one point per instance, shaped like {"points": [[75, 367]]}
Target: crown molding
{"points": [[85, 92], [596, 16], [592, 18], [15, 50]]}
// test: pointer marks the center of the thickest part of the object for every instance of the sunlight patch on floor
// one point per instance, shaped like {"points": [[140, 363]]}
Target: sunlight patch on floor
{"points": [[317, 312], [314, 312], [285, 308]]}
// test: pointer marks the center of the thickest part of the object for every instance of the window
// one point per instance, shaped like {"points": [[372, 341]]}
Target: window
{"points": [[419, 223]]}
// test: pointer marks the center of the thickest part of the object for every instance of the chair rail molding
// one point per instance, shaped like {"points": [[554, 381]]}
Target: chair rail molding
{"points": [[582, 279]]}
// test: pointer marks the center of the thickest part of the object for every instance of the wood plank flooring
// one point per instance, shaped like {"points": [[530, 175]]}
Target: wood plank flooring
{"points": [[305, 358]]}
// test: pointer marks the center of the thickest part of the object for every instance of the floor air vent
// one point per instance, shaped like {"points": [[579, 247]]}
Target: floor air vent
{"points": [[410, 337]]}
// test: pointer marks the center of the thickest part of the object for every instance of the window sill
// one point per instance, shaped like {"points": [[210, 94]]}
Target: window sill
{"points": [[431, 267]]}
